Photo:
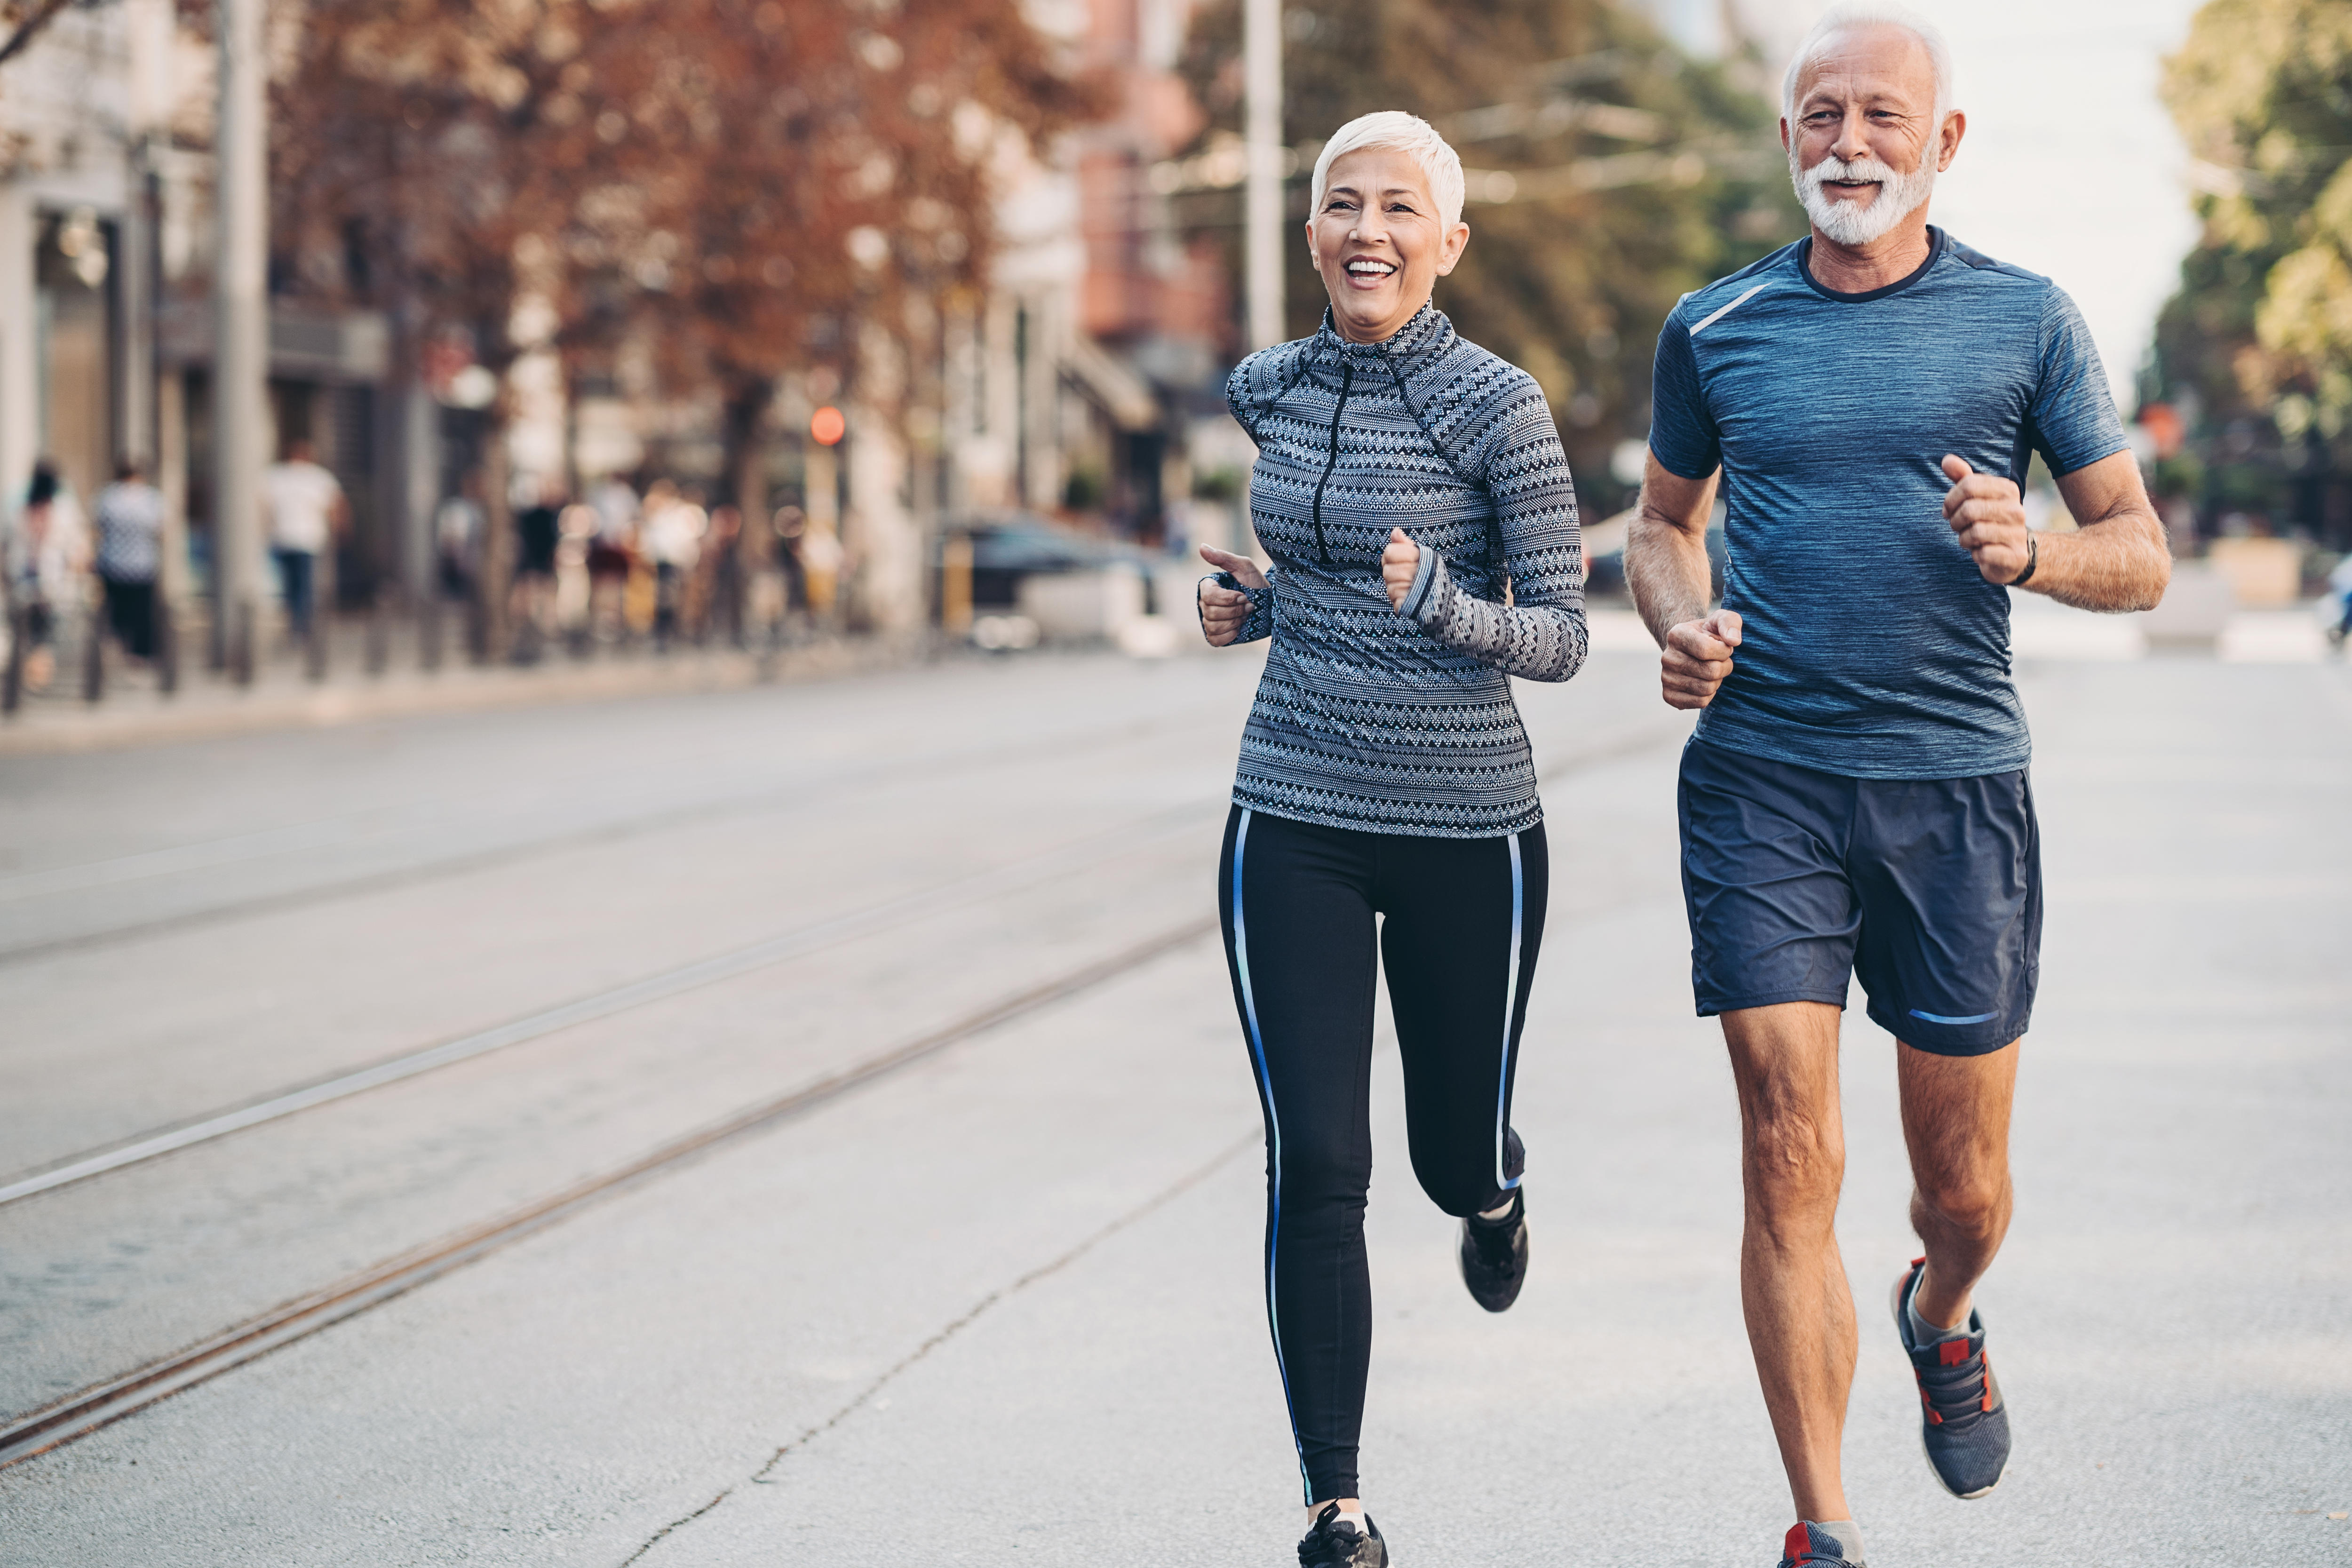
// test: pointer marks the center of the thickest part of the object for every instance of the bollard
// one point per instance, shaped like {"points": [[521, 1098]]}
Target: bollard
{"points": [[12, 676], [94, 657], [167, 646], [314, 646], [240, 642], [428, 629], [955, 585], [379, 634]]}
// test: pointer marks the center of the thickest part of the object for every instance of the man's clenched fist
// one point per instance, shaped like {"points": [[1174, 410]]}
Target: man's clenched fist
{"points": [[1223, 610], [1990, 517], [1698, 658], [1400, 563]]}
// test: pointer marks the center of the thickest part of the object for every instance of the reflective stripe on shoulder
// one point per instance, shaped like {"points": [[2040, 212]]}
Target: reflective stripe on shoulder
{"points": [[1728, 309]]}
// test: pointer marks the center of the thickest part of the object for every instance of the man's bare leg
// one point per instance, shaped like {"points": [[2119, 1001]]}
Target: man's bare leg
{"points": [[1956, 1121], [1784, 1060]]}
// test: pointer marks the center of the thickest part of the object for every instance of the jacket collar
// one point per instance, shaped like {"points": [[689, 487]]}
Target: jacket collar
{"points": [[1427, 332]]}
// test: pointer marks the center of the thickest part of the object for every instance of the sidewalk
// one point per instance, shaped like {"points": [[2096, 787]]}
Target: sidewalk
{"points": [[134, 713]]}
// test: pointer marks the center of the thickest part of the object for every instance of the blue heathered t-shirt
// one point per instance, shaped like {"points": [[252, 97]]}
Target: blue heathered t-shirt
{"points": [[1871, 647]]}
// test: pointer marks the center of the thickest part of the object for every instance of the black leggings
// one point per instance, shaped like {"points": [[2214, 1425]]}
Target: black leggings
{"points": [[1465, 917]]}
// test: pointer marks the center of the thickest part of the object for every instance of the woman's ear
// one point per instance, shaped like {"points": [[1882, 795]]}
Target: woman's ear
{"points": [[1450, 251]]}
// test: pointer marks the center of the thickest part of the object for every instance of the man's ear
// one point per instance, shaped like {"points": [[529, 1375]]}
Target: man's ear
{"points": [[1956, 125]]}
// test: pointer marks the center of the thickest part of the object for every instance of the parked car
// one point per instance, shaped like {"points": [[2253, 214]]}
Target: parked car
{"points": [[1008, 546]]}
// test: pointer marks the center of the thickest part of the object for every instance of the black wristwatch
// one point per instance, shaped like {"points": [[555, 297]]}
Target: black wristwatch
{"points": [[2033, 559]]}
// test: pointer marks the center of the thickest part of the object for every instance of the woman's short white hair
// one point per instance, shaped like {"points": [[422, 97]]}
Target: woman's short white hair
{"points": [[1871, 13], [1406, 134]]}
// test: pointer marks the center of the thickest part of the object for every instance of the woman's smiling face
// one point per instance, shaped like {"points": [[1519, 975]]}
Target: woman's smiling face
{"points": [[1380, 242]]}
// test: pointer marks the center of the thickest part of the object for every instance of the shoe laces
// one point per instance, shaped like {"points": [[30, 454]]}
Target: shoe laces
{"points": [[1329, 1545], [1956, 1389]]}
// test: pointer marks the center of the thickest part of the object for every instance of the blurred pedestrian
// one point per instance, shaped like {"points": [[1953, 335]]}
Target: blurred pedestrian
{"points": [[306, 512], [457, 530], [130, 514], [672, 539], [1385, 812], [611, 553], [48, 553], [1854, 801], [531, 597]]}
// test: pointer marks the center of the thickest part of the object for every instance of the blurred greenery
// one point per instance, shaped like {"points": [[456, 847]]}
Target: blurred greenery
{"points": [[1641, 174], [2258, 342]]}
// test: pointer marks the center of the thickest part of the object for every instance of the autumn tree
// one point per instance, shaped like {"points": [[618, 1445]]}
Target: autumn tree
{"points": [[1628, 174], [742, 184], [2258, 339]]}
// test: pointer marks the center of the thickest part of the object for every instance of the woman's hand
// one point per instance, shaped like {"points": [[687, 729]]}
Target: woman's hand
{"points": [[1223, 610], [1399, 565]]}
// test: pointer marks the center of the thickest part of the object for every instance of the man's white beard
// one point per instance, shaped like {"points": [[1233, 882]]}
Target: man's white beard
{"points": [[1858, 223]]}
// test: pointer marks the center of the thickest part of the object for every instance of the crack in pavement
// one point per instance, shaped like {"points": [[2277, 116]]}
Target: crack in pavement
{"points": [[1254, 1138]]}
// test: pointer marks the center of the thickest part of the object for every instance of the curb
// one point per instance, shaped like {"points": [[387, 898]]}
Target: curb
{"points": [[216, 712]]}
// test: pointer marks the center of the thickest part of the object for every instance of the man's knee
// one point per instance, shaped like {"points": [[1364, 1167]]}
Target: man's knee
{"points": [[1795, 1164], [1971, 1202]]}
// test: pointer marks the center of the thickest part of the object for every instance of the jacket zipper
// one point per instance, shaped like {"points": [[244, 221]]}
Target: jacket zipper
{"points": [[1347, 379]]}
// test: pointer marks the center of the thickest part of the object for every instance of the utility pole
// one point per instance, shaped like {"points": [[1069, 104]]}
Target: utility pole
{"points": [[241, 335], [1262, 197]]}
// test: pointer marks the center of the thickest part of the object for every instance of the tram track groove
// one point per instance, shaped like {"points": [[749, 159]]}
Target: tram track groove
{"points": [[978, 886], [101, 1403], [943, 897]]}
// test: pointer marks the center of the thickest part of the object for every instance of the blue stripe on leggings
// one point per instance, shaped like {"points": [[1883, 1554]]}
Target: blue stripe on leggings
{"points": [[1273, 1139], [1510, 1010]]}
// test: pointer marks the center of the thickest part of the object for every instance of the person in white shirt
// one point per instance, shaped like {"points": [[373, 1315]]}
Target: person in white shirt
{"points": [[130, 513], [306, 511]]}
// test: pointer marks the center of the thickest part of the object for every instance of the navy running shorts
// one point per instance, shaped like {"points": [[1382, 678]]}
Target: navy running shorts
{"points": [[1929, 889]]}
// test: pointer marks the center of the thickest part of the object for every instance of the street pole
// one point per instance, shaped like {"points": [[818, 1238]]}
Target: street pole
{"points": [[241, 346], [1262, 197]]}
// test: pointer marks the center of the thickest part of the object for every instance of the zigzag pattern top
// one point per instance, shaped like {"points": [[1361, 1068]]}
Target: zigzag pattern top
{"points": [[1391, 721]]}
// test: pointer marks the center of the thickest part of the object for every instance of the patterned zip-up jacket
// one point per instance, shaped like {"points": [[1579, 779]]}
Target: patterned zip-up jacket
{"points": [[1388, 720]]}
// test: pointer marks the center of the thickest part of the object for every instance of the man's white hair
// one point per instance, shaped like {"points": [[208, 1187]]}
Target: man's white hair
{"points": [[1871, 14], [1407, 133]]}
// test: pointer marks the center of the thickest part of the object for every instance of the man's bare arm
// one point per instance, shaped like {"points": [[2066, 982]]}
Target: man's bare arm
{"points": [[2116, 559], [1665, 548], [1666, 573]]}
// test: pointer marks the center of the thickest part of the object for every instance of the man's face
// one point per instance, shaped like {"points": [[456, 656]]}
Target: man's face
{"points": [[1864, 149]]}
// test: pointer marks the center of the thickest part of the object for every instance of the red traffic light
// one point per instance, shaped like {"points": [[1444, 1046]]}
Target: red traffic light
{"points": [[828, 426]]}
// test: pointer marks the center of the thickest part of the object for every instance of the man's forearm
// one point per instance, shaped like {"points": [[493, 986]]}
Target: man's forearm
{"points": [[2119, 563], [1667, 573]]}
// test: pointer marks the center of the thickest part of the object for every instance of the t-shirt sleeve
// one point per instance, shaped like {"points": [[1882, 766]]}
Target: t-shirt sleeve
{"points": [[2075, 418], [1682, 432]]}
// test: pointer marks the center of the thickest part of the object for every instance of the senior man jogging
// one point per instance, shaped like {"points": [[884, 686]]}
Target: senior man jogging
{"points": [[1855, 798]]}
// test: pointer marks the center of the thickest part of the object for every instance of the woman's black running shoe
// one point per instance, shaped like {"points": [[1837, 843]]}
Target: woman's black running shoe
{"points": [[1334, 1543], [1963, 1421], [1495, 1255]]}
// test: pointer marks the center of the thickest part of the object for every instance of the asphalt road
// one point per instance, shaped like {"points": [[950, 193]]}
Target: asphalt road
{"points": [[1001, 1306]]}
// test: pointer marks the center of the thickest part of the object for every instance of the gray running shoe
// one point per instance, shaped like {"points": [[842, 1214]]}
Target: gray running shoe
{"points": [[1336, 1543], [1964, 1424]]}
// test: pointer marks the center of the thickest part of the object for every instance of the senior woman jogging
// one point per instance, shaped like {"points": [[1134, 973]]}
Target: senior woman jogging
{"points": [[1410, 489]]}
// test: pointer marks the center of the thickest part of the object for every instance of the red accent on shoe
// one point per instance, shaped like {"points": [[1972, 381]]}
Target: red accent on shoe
{"points": [[1985, 1403], [1797, 1543], [1951, 1352]]}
